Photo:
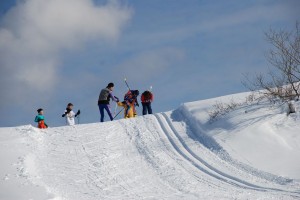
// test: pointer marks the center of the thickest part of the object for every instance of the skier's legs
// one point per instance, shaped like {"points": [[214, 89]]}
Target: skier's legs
{"points": [[42, 124], [107, 108], [149, 108], [144, 108], [101, 109], [130, 112], [127, 109], [133, 107]]}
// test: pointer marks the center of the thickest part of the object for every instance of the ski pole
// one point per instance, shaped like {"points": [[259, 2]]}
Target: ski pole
{"points": [[78, 119], [118, 113], [116, 107], [126, 83], [78, 116]]}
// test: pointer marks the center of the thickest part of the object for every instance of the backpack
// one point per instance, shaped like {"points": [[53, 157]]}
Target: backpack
{"points": [[147, 96], [128, 96], [131, 95]]}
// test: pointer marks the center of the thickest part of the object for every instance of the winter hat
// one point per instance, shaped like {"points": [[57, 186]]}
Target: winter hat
{"points": [[110, 85], [70, 104], [136, 92], [39, 110]]}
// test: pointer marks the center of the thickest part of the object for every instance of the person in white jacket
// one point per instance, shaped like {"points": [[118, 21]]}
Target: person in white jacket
{"points": [[70, 115]]}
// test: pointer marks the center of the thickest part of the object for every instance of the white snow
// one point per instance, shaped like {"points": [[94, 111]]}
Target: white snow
{"points": [[174, 155]]}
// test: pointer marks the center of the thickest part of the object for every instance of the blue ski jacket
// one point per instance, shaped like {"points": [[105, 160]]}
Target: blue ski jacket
{"points": [[39, 118]]}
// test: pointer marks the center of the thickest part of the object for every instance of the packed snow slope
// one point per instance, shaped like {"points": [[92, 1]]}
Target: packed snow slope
{"points": [[251, 153]]}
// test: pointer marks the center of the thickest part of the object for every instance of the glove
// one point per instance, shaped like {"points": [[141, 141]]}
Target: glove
{"points": [[117, 98], [64, 115], [78, 113], [137, 104]]}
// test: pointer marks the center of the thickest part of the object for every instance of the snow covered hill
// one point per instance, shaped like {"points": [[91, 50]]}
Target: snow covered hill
{"points": [[251, 153]]}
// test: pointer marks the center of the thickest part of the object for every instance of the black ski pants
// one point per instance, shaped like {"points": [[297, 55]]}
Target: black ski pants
{"points": [[147, 108]]}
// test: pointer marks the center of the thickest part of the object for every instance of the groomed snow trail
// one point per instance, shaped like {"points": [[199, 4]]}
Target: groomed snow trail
{"points": [[153, 157]]}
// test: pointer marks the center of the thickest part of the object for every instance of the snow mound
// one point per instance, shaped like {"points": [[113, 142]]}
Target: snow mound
{"points": [[261, 135], [173, 155]]}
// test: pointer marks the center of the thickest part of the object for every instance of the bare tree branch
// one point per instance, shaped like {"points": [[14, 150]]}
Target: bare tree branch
{"points": [[282, 83]]}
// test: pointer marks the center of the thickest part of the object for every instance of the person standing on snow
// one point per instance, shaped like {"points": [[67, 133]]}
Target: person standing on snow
{"points": [[70, 115], [146, 99], [40, 119], [130, 99], [103, 101]]}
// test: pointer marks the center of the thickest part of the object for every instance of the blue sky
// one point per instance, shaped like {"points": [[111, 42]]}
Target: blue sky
{"points": [[59, 51]]}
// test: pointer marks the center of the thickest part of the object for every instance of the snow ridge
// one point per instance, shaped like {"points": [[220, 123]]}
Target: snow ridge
{"points": [[197, 133], [163, 156]]}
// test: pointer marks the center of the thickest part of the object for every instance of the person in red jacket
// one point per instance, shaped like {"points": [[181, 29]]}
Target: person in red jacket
{"points": [[146, 99]]}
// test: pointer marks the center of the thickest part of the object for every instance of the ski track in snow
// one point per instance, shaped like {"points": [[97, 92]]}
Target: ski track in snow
{"points": [[220, 175], [151, 157]]}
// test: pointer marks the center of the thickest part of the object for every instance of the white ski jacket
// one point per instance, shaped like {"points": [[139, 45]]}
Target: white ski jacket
{"points": [[70, 118]]}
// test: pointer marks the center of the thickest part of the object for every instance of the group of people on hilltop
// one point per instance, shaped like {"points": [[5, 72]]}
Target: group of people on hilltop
{"points": [[129, 104]]}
